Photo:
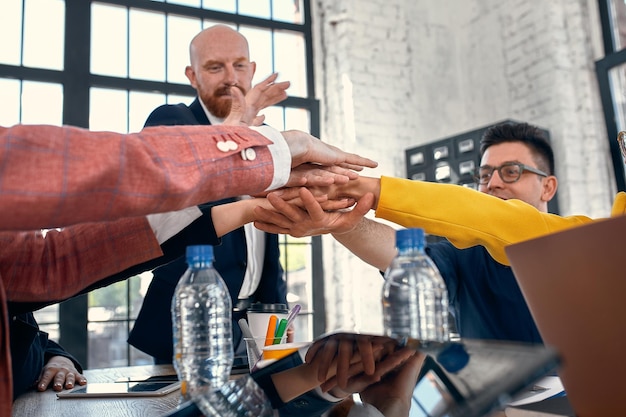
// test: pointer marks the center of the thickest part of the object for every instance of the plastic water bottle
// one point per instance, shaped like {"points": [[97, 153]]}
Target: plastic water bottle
{"points": [[202, 326], [240, 397], [415, 298]]}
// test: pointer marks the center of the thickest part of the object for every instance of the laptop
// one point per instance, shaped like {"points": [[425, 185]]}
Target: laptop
{"points": [[575, 285], [471, 378]]}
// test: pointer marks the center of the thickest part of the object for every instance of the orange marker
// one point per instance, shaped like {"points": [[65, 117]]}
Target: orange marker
{"points": [[271, 329]]}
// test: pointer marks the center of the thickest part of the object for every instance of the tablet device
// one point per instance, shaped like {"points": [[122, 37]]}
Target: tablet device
{"points": [[121, 389]]}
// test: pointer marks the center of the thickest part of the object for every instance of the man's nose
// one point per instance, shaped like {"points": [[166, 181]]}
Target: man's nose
{"points": [[230, 76], [495, 180]]}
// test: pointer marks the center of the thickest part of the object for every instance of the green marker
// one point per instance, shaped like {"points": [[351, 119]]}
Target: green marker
{"points": [[280, 331]]}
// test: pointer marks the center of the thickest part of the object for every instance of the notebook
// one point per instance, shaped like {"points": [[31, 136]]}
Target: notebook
{"points": [[575, 285]]}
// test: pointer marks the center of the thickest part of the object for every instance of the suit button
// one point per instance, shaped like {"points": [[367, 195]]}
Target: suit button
{"points": [[248, 154]]}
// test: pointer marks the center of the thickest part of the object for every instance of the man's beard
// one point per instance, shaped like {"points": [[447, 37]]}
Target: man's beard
{"points": [[220, 102]]}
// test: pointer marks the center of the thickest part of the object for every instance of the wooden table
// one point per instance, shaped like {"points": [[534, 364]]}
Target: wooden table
{"points": [[39, 404]]}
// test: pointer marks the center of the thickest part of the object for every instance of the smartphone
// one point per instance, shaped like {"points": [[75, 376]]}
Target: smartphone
{"points": [[121, 389]]}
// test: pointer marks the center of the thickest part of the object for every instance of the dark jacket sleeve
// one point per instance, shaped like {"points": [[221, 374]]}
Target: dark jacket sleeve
{"points": [[30, 351], [199, 232]]}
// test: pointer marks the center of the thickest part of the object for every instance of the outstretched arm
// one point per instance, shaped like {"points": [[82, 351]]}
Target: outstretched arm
{"points": [[371, 241]]}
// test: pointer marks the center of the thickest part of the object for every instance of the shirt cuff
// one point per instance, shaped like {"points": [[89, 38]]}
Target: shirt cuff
{"points": [[281, 155], [167, 225]]}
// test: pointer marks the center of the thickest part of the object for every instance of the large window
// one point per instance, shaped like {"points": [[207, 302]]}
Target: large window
{"points": [[611, 72], [106, 65]]}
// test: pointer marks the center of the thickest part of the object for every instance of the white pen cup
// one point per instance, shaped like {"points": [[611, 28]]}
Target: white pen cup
{"points": [[259, 316]]}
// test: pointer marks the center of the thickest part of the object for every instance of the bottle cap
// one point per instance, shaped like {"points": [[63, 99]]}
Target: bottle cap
{"points": [[199, 253], [410, 238]]}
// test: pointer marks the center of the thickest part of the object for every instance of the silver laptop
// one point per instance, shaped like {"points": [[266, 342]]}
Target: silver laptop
{"points": [[471, 378]]}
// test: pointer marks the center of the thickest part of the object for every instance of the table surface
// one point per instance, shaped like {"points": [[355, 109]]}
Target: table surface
{"points": [[39, 404]]}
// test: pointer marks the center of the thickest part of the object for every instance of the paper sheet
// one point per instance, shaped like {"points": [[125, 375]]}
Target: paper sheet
{"points": [[546, 387]]}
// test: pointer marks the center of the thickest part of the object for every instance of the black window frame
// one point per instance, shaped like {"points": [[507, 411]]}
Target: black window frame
{"points": [[77, 80], [613, 58]]}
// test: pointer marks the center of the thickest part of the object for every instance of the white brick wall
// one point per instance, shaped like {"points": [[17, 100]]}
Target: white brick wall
{"points": [[394, 74]]}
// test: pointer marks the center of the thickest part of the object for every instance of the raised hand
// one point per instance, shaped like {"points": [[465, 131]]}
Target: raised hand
{"points": [[266, 93]]}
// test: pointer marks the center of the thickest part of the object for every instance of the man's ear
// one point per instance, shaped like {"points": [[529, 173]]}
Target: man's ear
{"points": [[191, 76], [550, 184]]}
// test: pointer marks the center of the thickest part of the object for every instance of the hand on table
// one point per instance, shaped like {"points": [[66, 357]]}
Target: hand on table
{"points": [[61, 372]]}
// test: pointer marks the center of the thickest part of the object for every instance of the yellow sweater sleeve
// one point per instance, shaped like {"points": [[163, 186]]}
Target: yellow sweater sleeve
{"points": [[468, 217]]}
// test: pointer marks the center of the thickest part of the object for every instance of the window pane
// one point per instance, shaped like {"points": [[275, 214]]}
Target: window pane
{"points": [[47, 315], [618, 23], [260, 44], [139, 287], [290, 60], [180, 32], [35, 110], [44, 25], [617, 77], [48, 320], [10, 103], [220, 5], [297, 119], [106, 342], [11, 32], [295, 256], [288, 11], [141, 105], [108, 110], [109, 52], [256, 8], [175, 99], [275, 117], [147, 45]]}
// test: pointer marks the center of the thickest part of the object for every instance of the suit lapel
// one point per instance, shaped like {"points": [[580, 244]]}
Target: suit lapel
{"points": [[198, 112]]}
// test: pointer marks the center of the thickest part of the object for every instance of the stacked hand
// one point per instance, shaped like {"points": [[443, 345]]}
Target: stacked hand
{"points": [[306, 216]]}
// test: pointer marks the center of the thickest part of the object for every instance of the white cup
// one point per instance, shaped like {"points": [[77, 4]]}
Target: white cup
{"points": [[259, 317]]}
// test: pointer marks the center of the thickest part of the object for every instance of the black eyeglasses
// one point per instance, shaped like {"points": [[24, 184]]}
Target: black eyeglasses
{"points": [[509, 172], [621, 137]]}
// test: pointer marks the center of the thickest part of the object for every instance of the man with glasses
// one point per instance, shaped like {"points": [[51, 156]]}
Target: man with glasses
{"points": [[517, 163]]}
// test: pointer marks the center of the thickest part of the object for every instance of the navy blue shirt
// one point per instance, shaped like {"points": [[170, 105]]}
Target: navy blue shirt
{"points": [[484, 296]]}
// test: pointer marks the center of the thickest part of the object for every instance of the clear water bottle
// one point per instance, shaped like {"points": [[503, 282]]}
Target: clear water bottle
{"points": [[202, 326], [415, 298], [241, 397]]}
